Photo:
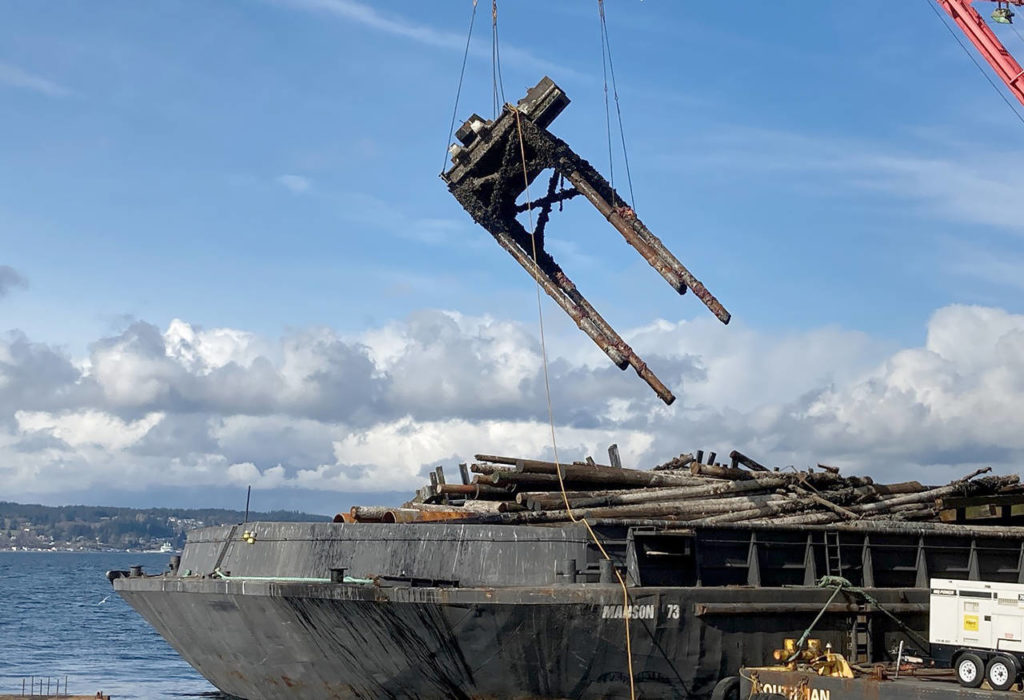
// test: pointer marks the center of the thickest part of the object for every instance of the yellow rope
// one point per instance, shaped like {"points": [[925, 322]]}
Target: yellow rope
{"points": [[551, 420]]}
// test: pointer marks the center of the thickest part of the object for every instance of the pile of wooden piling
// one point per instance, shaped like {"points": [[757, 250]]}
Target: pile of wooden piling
{"points": [[689, 490]]}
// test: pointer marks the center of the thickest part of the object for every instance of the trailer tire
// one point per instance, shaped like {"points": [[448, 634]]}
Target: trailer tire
{"points": [[1001, 672], [727, 689], [970, 670]]}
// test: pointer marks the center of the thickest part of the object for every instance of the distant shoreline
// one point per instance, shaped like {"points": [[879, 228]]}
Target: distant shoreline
{"points": [[34, 527], [86, 551]]}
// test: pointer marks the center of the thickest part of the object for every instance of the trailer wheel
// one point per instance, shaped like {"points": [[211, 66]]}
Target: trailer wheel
{"points": [[970, 670], [727, 689], [1001, 672]]}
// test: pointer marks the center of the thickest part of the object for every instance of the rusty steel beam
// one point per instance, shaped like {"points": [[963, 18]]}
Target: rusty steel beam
{"points": [[496, 162]]}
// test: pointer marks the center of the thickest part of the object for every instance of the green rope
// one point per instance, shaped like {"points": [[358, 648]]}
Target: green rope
{"points": [[807, 632], [842, 584], [871, 600]]}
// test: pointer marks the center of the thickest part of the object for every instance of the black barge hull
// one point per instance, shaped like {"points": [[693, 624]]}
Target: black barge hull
{"points": [[477, 611], [266, 640]]}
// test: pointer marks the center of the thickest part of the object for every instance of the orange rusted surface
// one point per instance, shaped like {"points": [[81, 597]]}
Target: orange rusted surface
{"points": [[409, 515]]}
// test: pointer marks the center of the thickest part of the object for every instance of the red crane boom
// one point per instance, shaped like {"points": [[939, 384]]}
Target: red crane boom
{"points": [[973, 25]]}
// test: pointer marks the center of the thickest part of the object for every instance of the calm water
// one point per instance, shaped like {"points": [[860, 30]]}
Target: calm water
{"points": [[60, 617]]}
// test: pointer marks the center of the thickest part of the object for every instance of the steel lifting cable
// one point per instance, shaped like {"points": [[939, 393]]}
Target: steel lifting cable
{"points": [[606, 50], [458, 91], [607, 112], [974, 60], [1017, 32], [551, 421], [497, 84]]}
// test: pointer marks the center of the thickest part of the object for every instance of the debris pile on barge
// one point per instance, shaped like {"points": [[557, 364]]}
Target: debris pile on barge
{"points": [[689, 490]]}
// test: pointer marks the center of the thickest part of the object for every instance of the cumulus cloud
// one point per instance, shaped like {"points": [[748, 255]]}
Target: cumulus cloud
{"points": [[9, 279], [89, 427], [34, 376], [190, 407], [955, 400]]}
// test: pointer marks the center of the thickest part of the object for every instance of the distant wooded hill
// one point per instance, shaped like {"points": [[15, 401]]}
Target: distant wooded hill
{"points": [[99, 527]]}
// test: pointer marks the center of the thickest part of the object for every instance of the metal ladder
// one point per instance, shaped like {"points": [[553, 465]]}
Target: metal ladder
{"points": [[833, 555], [860, 640]]}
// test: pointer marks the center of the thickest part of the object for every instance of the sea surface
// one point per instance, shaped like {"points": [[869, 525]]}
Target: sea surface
{"points": [[60, 617]]}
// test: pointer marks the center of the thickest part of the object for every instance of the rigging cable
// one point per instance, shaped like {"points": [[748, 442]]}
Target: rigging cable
{"points": [[458, 91], [551, 421], [496, 82], [497, 85], [607, 113], [606, 48], [1017, 32], [974, 60]]}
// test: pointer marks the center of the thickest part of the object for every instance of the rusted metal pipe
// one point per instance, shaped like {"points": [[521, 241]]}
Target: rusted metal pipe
{"points": [[676, 509], [613, 456], [578, 474], [363, 514], [738, 457], [560, 293], [478, 468], [412, 515], [524, 465], [924, 496], [493, 506], [563, 291], [649, 246], [679, 462], [653, 495], [697, 469], [476, 491], [813, 518], [822, 501]]}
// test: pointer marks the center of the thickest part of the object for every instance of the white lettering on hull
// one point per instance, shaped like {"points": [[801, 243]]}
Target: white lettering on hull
{"points": [[635, 612]]}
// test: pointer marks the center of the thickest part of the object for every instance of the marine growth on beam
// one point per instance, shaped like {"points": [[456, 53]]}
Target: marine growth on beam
{"points": [[494, 163]]}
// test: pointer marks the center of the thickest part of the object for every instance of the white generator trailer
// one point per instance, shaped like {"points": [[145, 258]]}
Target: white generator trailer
{"points": [[977, 627]]}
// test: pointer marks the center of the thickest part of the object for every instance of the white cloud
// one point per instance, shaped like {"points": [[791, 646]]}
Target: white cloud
{"points": [[248, 473], [399, 26], [313, 410], [88, 428], [399, 449], [295, 183], [134, 369], [963, 390], [204, 351], [12, 76]]}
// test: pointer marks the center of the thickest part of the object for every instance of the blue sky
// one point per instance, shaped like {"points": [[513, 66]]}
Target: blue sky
{"points": [[271, 168]]}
